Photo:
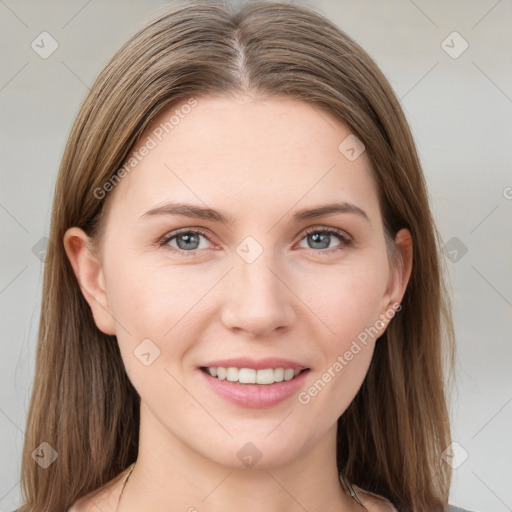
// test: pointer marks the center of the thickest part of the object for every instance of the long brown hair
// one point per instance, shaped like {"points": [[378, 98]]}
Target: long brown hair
{"points": [[83, 404]]}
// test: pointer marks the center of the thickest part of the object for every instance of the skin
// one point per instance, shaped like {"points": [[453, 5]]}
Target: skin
{"points": [[257, 160]]}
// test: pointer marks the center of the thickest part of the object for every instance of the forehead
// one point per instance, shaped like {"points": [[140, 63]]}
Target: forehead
{"points": [[244, 155]]}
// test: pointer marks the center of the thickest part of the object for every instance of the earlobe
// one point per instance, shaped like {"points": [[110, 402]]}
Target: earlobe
{"points": [[89, 274]]}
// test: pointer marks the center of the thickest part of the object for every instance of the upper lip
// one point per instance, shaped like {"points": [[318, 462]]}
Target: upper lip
{"points": [[257, 364]]}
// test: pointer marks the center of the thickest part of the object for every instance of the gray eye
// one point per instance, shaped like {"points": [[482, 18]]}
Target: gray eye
{"points": [[187, 241], [320, 239]]}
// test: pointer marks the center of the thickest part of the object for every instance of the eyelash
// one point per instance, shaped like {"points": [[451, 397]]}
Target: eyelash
{"points": [[345, 241]]}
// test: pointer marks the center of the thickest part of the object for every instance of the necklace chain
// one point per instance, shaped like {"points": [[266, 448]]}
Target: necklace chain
{"points": [[345, 482]]}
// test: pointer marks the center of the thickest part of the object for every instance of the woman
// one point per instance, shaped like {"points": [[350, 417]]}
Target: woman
{"points": [[244, 304]]}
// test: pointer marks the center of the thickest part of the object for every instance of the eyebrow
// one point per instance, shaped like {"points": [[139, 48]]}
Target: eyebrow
{"points": [[199, 212]]}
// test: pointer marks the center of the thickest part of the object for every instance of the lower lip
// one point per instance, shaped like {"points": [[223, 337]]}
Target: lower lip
{"points": [[255, 395]]}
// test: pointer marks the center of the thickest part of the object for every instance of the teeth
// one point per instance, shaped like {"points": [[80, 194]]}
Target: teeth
{"points": [[232, 374], [252, 376], [247, 375]]}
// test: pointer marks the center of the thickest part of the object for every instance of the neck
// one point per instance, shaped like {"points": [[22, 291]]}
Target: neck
{"points": [[169, 476]]}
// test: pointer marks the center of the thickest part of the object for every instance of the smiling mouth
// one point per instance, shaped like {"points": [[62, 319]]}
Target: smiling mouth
{"points": [[252, 376]]}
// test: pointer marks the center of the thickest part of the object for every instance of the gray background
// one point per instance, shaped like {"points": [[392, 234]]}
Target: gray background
{"points": [[460, 112]]}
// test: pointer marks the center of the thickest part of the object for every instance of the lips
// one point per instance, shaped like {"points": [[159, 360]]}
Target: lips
{"points": [[254, 383]]}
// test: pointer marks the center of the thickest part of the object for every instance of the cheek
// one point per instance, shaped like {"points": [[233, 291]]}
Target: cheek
{"points": [[346, 299], [150, 300], [166, 304], [158, 310], [349, 305]]}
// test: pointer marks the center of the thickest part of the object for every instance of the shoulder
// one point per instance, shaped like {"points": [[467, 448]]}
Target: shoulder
{"points": [[375, 503], [104, 498]]}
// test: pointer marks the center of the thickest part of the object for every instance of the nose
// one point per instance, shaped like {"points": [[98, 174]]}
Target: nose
{"points": [[259, 302]]}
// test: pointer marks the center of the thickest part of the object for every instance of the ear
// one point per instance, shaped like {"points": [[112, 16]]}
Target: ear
{"points": [[89, 274], [400, 273]]}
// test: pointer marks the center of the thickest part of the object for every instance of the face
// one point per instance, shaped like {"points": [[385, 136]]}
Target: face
{"points": [[253, 274]]}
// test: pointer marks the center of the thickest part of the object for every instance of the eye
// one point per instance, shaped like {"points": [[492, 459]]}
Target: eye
{"points": [[186, 241], [321, 238]]}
